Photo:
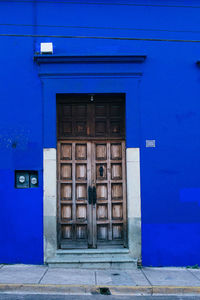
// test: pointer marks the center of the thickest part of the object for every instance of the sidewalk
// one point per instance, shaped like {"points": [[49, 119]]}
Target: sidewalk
{"points": [[145, 281]]}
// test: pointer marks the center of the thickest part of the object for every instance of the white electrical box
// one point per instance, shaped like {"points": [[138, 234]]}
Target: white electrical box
{"points": [[46, 48]]}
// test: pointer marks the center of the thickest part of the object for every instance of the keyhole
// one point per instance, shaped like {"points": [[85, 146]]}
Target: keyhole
{"points": [[101, 171]]}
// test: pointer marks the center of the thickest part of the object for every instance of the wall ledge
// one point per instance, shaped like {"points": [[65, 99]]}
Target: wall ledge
{"points": [[48, 58]]}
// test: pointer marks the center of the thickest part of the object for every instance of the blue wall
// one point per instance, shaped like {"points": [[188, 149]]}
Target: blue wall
{"points": [[169, 112]]}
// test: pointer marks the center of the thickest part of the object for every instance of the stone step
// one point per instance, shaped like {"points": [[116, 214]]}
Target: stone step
{"points": [[92, 260], [92, 251], [88, 258], [96, 266]]}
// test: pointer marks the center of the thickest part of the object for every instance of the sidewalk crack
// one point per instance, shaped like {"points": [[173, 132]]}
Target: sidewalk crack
{"points": [[193, 274], [95, 277], [146, 277], [43, 275]]}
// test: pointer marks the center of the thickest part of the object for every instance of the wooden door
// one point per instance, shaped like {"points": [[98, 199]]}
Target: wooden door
{"points": [[91, 174], [74, 210], [109, 179]]}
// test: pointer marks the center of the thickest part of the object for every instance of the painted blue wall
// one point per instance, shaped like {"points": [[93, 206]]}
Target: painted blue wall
{"points": [[168, 111]]}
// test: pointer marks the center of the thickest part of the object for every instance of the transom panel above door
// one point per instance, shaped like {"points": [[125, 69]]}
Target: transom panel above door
{"points": [[103, 117], [91, 174]]}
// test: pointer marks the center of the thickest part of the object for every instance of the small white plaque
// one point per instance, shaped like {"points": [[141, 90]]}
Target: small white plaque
{"points": [[150, 143], [46, 48]]}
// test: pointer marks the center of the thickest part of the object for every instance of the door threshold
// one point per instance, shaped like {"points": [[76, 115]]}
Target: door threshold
{"points": [[93, 251]]}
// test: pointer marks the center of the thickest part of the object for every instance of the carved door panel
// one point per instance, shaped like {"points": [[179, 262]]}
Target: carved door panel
{"points": [[102, 118], [74, 178], [109, 213]]}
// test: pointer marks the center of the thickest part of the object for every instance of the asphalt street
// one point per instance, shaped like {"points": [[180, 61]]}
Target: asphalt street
{"points": [[92, 297]]}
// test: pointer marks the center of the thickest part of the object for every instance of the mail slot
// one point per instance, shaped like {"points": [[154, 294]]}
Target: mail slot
{"points": [[26, 179]]}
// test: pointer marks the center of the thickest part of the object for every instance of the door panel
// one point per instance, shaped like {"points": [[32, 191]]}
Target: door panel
{"points": [[74, 177], [110, 182], [80, 118]]}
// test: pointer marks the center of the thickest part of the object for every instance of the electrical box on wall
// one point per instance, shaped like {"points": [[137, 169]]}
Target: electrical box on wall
{"points": [[46, 48], [26, 179]]}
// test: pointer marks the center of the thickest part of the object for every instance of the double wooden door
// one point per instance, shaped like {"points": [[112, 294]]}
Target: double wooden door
{"points": [[91, 192]]}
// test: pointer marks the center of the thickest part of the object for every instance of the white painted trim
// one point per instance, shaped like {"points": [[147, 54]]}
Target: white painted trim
{"points": [[133, 202], [49, 202]]}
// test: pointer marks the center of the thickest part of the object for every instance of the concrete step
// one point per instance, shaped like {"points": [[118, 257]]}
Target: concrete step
{"points": [[92, 251], [88, 258], [92, 259]]}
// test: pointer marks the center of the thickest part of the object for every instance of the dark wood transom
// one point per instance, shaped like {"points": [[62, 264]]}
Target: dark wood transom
{"points": [[103, 117]]}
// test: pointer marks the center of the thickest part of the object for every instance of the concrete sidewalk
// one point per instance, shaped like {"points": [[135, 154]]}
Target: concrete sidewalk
{"points": [[145, 281]]}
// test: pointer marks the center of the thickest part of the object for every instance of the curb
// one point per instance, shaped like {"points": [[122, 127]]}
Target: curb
{"points": [[155, 290], [61, 289]]}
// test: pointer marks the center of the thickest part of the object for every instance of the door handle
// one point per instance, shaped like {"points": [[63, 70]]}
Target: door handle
{"points": [[101, 171], [90, 195], [94, 195]]}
